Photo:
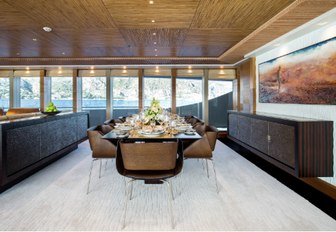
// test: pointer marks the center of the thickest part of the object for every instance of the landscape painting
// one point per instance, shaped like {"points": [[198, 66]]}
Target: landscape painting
{"points": [[306, 76]]}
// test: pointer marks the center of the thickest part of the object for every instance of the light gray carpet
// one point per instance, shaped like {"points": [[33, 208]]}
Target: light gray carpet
{"points": [[55, 199]]}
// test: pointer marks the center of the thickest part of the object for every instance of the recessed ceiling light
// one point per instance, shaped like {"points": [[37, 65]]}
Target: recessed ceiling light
{"points": [[34, 39], [47, 29], [155, 54], [18, 53], [154, 42], [155, 49], [153, 21], [189, 71], [151, 2], [63, 53], [124, 67], [154, 33]]}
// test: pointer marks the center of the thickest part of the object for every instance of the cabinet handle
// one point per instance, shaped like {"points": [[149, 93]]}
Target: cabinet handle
{"points": [[269, 138]]}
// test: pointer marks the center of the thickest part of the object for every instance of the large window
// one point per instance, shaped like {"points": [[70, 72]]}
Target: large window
{"points": [[220, 101], [94, 92], [158, 88], [4, 93], [61, 92], [125, 96], [30, 92], [189, 96]]}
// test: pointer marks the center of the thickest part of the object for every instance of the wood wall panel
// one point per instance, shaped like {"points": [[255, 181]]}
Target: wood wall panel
{"points": [[247, 86]]}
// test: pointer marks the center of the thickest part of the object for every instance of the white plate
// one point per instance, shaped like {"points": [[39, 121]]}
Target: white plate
{"points": [[125, 128], [151, 134], [183, 128]]}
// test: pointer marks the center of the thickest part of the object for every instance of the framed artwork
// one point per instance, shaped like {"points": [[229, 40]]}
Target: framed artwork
{"points": [[306, 76]]}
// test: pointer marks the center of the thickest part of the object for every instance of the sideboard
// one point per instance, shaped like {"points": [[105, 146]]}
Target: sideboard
{"points": [[29, 144], [301, 146]]}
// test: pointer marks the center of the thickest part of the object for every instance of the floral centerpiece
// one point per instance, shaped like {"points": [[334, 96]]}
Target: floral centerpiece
{"points": [[151, 114]]}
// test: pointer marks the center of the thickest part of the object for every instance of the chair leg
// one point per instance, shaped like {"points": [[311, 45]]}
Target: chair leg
{"points": [[214, 169], [125, 204], [106, 164], [170, 203], [207, 168], [171, 190], [88, 187], [100, 166], [131, 191]]}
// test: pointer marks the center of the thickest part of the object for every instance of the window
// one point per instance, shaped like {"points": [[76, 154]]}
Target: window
{"points": [[94, 92], [189, 96], [30, 92], [125, 96], [4, 93], [158, 88], [220, 101], [61, 92]]}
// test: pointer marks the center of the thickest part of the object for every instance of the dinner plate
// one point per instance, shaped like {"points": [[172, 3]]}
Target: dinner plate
{"points": [[189, 133], [124, 128], [151, 133], [183, 128]]}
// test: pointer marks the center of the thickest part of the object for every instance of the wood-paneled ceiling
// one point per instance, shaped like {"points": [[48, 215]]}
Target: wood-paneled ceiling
{"points": [[122, 31]]}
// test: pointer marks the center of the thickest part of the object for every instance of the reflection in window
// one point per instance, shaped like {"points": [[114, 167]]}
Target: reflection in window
{"points": [[30, 92], [189, 96], [125, 96], [4, 93], [220, 101], [94, 92], [158, 88], [61, 92]]}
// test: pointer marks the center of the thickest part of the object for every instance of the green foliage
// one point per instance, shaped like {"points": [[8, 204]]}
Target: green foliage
{"points": [[153, 110]]}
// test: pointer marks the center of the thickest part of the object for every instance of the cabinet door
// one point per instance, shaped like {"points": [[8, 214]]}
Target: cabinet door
{"points": [[244, 129], [259, 132], [233, 125], [23, 147], [282, 143]]}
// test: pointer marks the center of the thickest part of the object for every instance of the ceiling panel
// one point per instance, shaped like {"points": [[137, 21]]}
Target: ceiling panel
{"points": [[80, 14], [139, 13], [222, 30], [243, 14]]}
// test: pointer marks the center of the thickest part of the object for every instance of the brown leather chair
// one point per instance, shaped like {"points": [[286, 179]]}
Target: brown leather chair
{"points": [[12, 111], [113, 121], [203, 148], [101, 148], [151, 161]]}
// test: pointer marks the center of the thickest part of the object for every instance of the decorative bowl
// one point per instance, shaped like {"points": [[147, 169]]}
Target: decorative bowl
{"points": [[50, 113]]}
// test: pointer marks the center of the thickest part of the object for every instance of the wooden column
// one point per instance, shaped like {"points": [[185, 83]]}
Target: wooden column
{"points": [[205, 95], [247, 86], [43, 101], [140, 79], [173, 89], [76, 91], [109, 95]]}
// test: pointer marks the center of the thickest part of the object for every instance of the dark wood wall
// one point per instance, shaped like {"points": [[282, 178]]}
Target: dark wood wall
{"points": [[244, 89]]}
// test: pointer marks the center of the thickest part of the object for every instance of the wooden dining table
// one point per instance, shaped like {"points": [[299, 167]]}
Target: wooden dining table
{"points": [[135, 135]]}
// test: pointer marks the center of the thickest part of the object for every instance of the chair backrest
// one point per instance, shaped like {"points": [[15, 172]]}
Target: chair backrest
{"points": [[101, 148], [151, 156], [212, 133]]}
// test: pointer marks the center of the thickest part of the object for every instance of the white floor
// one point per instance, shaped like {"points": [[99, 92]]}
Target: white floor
{"points": [[55, 199]]}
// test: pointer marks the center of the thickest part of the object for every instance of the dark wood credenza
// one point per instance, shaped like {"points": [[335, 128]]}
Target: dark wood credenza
{"points": [[303, 147], [29, 144]]}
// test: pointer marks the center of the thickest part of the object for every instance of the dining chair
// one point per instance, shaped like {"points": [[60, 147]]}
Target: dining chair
{"points": [[101, 148], [153, 161], [203, 148]]}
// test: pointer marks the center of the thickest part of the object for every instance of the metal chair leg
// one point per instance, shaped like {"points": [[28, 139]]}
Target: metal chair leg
{"points": [[171, 190], [170, 203], [131, 191], [207, 168], [125, 204], [106, 164], [213, 165], [88, 187], [100, 165]]}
